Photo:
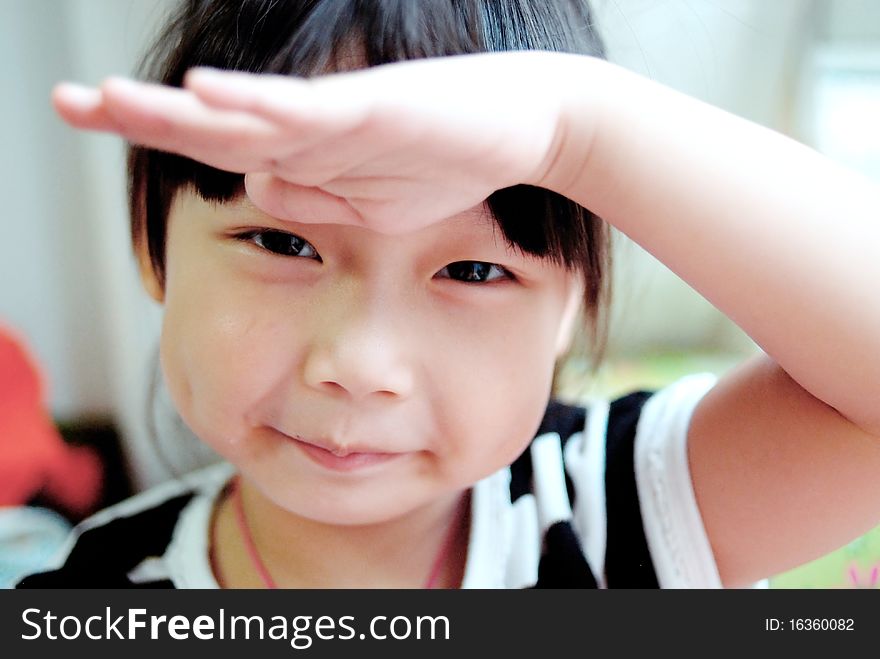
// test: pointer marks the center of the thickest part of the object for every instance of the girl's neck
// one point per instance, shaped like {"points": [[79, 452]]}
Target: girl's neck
{"points": [[302, 553]]}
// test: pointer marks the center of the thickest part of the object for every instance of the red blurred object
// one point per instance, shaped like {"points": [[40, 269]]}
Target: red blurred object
{"points": [[34, 459]]}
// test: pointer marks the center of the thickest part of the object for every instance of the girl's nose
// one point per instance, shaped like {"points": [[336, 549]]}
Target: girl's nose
{"points": [[361, 356]]}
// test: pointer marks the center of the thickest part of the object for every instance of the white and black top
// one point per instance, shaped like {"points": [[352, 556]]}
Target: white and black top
{"points": [[601, 498]]}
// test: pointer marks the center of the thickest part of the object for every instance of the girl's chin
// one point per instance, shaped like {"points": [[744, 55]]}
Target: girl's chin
{"points": [[356, 508]]}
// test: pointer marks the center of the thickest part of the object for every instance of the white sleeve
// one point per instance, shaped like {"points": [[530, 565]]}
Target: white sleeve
{"points": [[674, 530]]}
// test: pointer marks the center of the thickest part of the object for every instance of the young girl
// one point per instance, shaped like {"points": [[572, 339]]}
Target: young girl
{"points": [[365, 325]]}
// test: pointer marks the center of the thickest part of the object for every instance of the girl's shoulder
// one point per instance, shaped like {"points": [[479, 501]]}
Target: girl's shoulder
{"points": [[103, 550], [615, 474]]}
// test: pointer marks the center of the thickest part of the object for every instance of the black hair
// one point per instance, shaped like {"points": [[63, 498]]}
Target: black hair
{"points": [[308, 37]]}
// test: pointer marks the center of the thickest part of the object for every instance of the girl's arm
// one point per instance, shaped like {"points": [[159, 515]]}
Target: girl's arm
{"points": [[784, 452], [781, 239]]}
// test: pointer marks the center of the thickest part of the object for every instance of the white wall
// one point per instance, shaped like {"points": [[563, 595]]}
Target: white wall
{"points": [[67, 277], [46, 254], [849, 21]]}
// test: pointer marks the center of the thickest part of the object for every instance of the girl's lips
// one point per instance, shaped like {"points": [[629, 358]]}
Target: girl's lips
{"points": [[348, 462]]}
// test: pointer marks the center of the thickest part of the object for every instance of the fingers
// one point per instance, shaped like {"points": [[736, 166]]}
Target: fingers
{"points": [[82, 107], [233, 121], [298, 203], [173, 119], [297, 103]]}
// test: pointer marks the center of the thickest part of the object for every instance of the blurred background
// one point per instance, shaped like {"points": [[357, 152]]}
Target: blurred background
{"points": [[68, 284]]}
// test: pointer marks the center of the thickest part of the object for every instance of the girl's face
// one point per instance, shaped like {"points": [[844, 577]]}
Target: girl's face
{"points": [[353, 376]]}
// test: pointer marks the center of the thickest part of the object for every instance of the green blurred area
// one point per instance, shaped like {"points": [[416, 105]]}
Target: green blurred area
{"points": [[856, 565]]}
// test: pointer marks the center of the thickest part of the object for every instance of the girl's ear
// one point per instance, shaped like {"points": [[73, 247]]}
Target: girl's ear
{"points": [[148, 275], [570, 315]]}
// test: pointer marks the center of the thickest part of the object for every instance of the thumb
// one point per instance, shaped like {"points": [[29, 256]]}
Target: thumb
{"points": [[289, 201]]}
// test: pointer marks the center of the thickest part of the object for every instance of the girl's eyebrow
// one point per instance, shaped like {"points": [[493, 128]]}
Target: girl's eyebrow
{"points": [[240, 209], [243, 203]]}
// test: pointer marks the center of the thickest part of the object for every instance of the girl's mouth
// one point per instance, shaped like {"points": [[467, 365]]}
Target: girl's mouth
{"points": [[341, 460]]}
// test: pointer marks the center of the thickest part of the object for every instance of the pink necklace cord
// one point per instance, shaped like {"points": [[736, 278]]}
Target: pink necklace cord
{"points": [[445, 548], [269, 582], [249, 544]]}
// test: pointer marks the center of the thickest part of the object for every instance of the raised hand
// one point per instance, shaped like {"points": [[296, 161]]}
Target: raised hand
{"points": [[392, 148]]}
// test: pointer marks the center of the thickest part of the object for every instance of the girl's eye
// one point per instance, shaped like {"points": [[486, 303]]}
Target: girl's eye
{"points": [[281, 243], [477, 272]]}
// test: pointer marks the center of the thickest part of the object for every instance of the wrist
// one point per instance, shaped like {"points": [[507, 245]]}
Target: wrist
{"points": [[581, 79]]}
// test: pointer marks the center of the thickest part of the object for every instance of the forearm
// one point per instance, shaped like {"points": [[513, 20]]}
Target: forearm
{"points": [[783, 241]]}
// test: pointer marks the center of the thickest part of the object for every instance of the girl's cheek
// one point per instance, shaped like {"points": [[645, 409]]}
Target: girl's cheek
{"points": [[499, 394], [218, 357]]}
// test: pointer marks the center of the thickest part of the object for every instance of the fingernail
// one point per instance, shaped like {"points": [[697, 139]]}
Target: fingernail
{"points": [[204, 74], [72, 92], [119, 84], [75, 90]]}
